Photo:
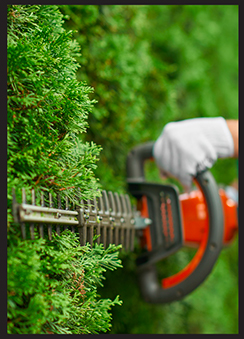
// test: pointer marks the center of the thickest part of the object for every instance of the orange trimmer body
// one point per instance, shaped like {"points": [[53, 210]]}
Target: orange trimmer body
{"points": [[195, 218]]}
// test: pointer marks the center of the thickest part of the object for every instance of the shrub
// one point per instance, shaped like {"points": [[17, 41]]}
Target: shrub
{"points": [[47, 105], [149, 65], [52, 286]]}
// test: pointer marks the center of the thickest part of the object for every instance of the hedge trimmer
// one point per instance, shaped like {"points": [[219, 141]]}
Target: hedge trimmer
{"points": [[205, 218], [163, 221]]}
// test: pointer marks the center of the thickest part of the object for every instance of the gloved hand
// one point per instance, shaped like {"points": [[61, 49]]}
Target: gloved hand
{"points": [[188, 147]]}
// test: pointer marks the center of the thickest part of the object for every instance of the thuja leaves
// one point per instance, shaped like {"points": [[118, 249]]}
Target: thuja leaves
{"points": [[47, 106], [52, 286]]}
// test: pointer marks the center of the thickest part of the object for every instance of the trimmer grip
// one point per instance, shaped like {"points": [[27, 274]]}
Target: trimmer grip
{"points": [[179, 285], [185, 282], [135, 161]]}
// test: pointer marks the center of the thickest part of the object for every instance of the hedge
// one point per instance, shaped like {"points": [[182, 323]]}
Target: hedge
{"points": [[149, 65], [141, 66], [52, 285]]}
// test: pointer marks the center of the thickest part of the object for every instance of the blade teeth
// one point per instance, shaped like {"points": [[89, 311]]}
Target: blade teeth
{"points": [[89, 203], [40, 227], [112, 202], [106, 214], [101, 204], [83, 229], [23, 196], [106, 201], [94, 203], [59, 206], [123, 203], [49, 226], [116, 215], [114, 209], [22, 225], [129, 215], [33, 201], [128, 204], [118, 204], [112, 231], [123, 227]]}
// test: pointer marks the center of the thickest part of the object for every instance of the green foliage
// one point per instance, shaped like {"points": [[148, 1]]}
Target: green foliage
{"points": [[47, 105], [149, 65], [115, 62], [211, 309], [52, 286]]}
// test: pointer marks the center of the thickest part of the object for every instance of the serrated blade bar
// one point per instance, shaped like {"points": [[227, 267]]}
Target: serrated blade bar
{"points": [[109, 216]]}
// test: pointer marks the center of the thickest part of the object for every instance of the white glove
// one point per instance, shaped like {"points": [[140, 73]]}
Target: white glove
{"points": [[188, 147]]}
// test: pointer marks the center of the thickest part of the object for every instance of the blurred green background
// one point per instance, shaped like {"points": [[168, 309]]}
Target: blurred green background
{"points": [[149, 65]]}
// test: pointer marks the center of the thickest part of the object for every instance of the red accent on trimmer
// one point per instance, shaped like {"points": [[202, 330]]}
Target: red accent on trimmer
{"points": [[195, 223]]}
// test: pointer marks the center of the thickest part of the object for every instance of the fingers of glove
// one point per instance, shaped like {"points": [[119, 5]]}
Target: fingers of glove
{"points": [[172, 151], [183, 156], [186, 181], [197, 159], [186, 171], [182, 176], [161, 152], [193, 164], [173, 163], [166, 148], [207, 157], [184, 165]]}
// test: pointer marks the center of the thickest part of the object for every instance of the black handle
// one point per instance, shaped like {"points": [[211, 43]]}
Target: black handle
{"points": [[149, 283], [135, 161]]}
